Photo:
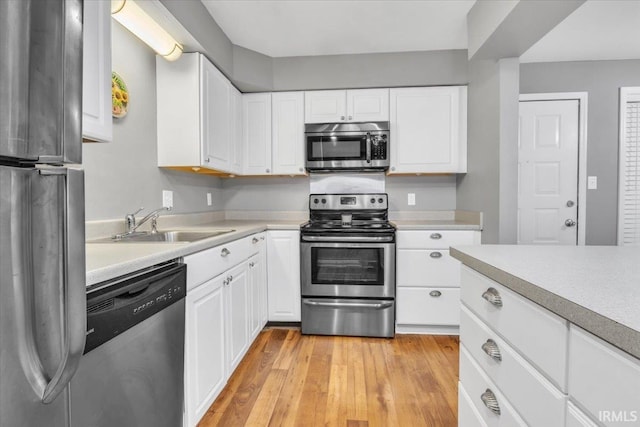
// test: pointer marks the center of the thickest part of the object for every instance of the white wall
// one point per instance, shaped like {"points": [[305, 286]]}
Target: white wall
{"points": [[122, 176]]}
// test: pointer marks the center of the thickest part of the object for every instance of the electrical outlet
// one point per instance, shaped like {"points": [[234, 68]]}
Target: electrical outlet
{"points": [[592, 183], [209, 201], [411, 199], [167, 199]]}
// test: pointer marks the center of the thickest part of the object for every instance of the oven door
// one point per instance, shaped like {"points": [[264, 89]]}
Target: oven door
{"points": [[352, 270]]}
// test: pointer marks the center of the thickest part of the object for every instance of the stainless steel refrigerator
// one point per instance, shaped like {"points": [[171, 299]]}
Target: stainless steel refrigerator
{"points": [[42, 258]]}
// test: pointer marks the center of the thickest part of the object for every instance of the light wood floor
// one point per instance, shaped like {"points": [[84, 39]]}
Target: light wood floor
{"points": [[289, 379]]}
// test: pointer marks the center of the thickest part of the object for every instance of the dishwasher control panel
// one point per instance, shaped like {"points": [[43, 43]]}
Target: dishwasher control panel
{"points": [[116, 307]]}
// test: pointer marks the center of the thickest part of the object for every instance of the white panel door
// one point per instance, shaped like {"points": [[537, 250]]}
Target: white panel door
{"points": [[283, 275], [287, 131], [368, 105], [548, 172], [325, 106], [216, 117], [236, 314], [256, 112], [236, 141]]}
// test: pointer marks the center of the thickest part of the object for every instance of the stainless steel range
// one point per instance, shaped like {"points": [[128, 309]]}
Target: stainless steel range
{"points": [[347, 256]]}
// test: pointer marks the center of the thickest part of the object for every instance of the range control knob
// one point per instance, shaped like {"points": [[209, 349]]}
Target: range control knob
{"points": [[324, 201], [380, 200], [315, 201], [373, 200]]}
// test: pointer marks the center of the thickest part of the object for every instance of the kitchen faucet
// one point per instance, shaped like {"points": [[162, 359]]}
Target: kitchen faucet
{"points": [[130, 221]]}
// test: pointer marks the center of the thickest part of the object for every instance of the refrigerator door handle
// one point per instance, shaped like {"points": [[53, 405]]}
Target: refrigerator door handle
{"points": [[74, 288]]}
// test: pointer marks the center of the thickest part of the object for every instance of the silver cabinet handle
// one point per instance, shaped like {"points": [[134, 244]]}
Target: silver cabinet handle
{"points": [[393, 168], [74, 284], [493, 297], [350, 118], [207, 160], [231, 278], [251, 265], [436, 236], [570, 223], [225, 252], [267, 170], [341, 117], [435, 254], [491, 348], [490, 401], [435, 294], [300, 169], [254, 240]]}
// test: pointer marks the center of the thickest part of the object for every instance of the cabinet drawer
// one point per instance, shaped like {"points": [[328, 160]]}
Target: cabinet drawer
{"points": [[476, 383], [468, 415], [603, 379], [577, 418], [533, 331], [527, 389], [207, 264], [419, 267], [417, 306], [435, 239]]}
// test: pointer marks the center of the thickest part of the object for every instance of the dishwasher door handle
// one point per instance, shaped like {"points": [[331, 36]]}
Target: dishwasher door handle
{"points": [[376, 305]]}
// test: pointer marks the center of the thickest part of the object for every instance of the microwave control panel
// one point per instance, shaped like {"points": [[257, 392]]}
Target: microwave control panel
{"points": [[379, 147]]}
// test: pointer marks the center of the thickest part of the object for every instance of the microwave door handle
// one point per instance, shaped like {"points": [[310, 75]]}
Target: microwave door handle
{"points": [[368, 142]]}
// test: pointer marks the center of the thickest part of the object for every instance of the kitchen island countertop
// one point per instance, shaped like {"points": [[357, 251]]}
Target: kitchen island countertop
{"points": [[595, 287]]}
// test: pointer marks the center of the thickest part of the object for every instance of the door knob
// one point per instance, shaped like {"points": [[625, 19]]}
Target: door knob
{"points": [[570, 223], [570, 203]]}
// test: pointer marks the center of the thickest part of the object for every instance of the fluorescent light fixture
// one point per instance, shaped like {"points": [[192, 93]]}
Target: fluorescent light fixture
{"points": [[134, 19]]}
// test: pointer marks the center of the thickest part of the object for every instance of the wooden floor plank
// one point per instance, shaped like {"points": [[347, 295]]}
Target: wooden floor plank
{"points": [[289, 379]]}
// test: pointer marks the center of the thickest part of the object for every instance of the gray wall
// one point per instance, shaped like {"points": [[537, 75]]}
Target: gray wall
{"points": [[602, 80], [122, 175], [478, 189]]}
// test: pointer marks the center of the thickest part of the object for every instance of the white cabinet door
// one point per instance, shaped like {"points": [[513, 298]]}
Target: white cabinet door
{"points": [[257, 295], [283, 275], [288, 133], [368, 105], [256, 113], [216, 118], [236, 314], [205, 374], [96, 74], [325, 106], [237, 142], [429, 130]]}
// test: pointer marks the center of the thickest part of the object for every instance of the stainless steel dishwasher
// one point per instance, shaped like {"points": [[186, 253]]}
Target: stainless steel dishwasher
{"points": [[131, 374]]}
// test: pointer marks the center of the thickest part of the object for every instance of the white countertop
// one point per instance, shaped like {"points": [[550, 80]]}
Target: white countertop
{"points": [[105, 261], [594, 287]]}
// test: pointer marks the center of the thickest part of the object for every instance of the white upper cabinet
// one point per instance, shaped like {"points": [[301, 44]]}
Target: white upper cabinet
{"points": [[428, 130], [256, 112], [198, 114], [358, 105], [96, 75], [287, 150]]}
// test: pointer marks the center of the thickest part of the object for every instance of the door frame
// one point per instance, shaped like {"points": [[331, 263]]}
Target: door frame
{"points": [[582, 98], [627, 93]]}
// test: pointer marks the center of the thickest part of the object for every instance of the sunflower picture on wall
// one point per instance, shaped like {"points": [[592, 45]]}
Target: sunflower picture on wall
{"points": [[119, 96]]}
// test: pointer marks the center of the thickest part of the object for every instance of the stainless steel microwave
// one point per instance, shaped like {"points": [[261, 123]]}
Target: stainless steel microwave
{"points": [[347, 147]]}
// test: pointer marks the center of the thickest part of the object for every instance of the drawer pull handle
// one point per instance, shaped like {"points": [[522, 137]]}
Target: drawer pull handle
{"points": [[490, 401], [493, 297], [436, 236], [225, 252], [254, 240], [435, 254], [435, 294], [492, 350]]}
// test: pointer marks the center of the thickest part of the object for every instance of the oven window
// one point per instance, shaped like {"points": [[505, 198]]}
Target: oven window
{"points": [[351, 266], [336, 148]]}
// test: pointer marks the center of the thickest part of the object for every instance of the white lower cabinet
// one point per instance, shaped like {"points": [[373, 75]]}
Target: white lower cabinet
{"points": [[428, 280], [283, 254], [205, 372], [225, 310], [236, 320]]}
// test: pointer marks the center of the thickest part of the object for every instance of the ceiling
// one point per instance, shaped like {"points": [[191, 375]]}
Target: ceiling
{"points": [[330, 27], [598, 30]]}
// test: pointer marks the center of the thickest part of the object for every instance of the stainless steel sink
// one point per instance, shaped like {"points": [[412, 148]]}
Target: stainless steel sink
{"points": [[172, 236]]}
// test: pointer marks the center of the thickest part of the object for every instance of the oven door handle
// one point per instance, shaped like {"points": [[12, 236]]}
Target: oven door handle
{"points": [[348, 239], [376, 305], [368, 142]]}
